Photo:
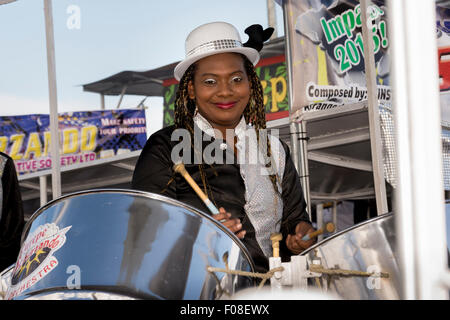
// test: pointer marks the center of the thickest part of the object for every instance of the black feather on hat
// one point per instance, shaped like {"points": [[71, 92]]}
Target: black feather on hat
{"points": [[257, 36]]}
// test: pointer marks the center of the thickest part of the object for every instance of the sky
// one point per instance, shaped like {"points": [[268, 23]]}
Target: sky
{"points": [[95, 39]]}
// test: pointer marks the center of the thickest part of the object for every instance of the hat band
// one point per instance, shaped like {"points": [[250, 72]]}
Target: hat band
{"points": [[214, 46]]}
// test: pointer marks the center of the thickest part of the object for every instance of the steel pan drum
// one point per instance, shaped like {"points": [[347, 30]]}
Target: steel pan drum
{"points": [[367, 247], [125, 244]]}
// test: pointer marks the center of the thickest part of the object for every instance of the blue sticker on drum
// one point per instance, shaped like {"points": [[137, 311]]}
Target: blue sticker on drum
{"points": [[36, 258]]}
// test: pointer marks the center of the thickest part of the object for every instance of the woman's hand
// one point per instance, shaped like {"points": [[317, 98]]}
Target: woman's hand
{"points": [[234, 225], [295, 243]]}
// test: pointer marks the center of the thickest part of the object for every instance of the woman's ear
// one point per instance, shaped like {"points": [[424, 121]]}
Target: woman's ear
{"points": [[191, 90]]}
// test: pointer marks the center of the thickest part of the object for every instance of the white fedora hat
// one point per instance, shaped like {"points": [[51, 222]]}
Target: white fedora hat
{"points": [[213, 38]]}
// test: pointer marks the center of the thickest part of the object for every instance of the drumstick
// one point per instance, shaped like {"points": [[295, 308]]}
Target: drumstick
{"points": [[179, 167], [329, 227]]}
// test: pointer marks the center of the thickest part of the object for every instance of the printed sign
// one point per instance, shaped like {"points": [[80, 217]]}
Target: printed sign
{"points": [[84, 137], [351, 52], [326, 46], [36, 258]]}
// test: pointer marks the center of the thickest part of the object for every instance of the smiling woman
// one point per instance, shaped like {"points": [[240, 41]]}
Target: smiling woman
{"points": [[221, 89], [220, 103]]}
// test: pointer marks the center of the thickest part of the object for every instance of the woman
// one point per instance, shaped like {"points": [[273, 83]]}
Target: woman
{"points": [[219, 108]]}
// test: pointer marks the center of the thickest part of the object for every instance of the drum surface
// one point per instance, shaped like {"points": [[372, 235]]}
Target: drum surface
{"points": [[126, 243], [367, 247]]}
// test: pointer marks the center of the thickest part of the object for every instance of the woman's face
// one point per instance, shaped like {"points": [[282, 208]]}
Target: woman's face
{"points": [[221, 89]]}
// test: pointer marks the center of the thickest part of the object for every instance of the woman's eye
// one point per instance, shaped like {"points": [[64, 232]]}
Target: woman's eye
{"points": [[237, 79], [209, 81]]}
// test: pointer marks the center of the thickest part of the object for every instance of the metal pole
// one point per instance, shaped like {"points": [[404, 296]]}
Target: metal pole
{"points": [[293, 125], [298, 148], [420, 215], [102, 101], [374, 113], [56, 168], [303, 159], [43, 189], [294, 145], [403, 203], [122, 93], [334, 215], [319, 215], [272, 18]]}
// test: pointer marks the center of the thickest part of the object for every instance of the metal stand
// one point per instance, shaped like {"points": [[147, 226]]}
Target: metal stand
{"points": [[294, 275], [374, 116]]}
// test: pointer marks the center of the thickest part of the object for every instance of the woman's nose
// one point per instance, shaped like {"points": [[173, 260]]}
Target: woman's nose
{"points": [[225, 89]]}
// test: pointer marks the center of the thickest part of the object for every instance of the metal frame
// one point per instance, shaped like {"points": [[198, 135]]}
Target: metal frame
{"points": [[354, 195], [344, 135], [341, 161], [338, 139]]}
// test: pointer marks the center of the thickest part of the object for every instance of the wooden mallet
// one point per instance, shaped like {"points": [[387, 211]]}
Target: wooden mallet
{"points": [[179, 168], [329, 227]]}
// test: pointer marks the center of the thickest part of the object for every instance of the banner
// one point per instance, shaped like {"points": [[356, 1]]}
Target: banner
{"points": [[327, 53], [84, 137], [443, 43], [272, 73]]}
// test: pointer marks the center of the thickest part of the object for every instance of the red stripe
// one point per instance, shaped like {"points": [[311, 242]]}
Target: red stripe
{"points": [[277, 115], [169, 82], [271, 60]]}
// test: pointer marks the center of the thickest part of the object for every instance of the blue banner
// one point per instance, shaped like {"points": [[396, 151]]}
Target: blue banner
{"points": [[84, 136]]}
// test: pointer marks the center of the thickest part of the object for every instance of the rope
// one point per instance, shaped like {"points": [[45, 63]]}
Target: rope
{"points": [[342, 272], [313, 268], [263, 276]]}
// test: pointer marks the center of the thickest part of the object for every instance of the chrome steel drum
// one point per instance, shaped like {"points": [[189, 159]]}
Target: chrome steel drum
{"points": [[5, 281], [125, 244], [367, 247]]}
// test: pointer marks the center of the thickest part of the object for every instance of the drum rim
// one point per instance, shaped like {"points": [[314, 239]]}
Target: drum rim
{"points": [[8, 269], [307, 251], [148, 195]]}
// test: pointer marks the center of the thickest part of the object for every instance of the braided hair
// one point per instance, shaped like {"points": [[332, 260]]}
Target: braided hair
{"points": [[254, 113]]}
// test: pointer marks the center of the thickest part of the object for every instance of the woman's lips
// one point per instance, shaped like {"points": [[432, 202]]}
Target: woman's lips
{"points": [[226, 105]]}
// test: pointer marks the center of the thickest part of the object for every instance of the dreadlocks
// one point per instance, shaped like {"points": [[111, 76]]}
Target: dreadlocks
{"points": [[254, 113]]}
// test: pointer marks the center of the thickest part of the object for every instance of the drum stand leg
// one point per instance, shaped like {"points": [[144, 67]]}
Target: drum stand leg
{"points": [[319, 215], [334, 215]]}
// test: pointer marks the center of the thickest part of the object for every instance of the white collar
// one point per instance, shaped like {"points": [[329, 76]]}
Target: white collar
{"points": [[206, 127]]}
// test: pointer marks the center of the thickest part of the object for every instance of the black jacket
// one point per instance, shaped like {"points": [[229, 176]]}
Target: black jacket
{"points": [[12, 218], [154, 170]]}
